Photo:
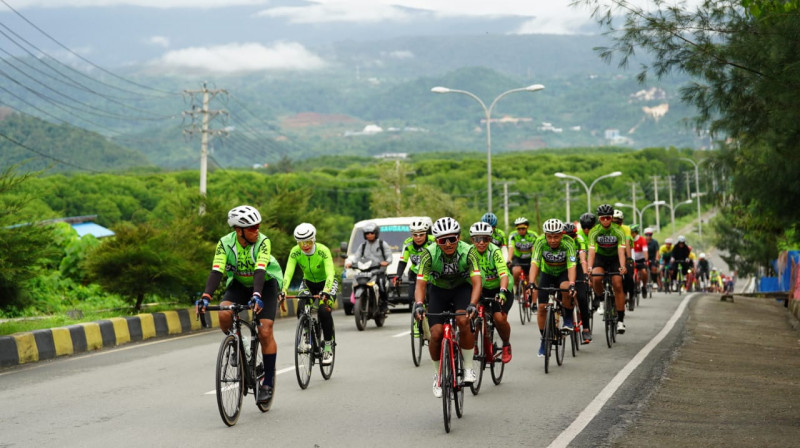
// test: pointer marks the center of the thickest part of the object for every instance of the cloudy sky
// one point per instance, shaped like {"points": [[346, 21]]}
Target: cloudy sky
{"points": [[262, 35]]}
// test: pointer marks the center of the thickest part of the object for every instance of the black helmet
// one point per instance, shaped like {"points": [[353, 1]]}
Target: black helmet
{"points": [[569, 229], [605, 210], [588, 220]]}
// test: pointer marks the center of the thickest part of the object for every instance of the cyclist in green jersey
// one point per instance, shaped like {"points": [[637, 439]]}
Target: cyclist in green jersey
{"points": [[254, 277], [494, 274], [319, 278], [498, 236], [412, 250], [581, 247], [520, 249], [607, 253], [451, 268], [555, 257]]}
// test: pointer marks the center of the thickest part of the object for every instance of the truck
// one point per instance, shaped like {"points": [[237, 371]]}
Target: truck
{"points": [[394, 231]]}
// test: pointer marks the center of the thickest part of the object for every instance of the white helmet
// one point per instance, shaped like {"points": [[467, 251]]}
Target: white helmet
{"points": [[446, 226], [243, 216], [553, 225], [702, 255], [428, 223], [521, 221], [305, 232], [648, 230], [681, 239], [618, 214], [418, 225], [668, 241], [480, 229]]}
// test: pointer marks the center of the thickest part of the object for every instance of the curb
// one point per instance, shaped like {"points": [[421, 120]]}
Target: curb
{"points": [[39, 345]]}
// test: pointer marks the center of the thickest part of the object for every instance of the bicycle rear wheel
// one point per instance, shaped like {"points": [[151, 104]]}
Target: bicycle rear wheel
{"points": [[303, 351], [610, 326], [446, 381], [561, 345], [480, 356], [417, 340], [327, 369], [458, 374], [230, 382], [497, 365], [520, 297], [258, 369]]}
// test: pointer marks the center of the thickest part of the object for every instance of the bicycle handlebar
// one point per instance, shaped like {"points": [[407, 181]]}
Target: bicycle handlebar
{"points": [[606, 274]]}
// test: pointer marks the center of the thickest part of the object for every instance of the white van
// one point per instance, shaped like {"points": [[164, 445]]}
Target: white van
{"points": [[394, 231]]}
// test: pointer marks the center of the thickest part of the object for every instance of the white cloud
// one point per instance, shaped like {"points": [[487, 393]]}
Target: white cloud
{"points": [[245, 57], [162, 4], [338, 11], [160, 41]]}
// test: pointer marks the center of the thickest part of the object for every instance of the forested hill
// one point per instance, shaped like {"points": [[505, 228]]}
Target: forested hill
{"points": [[38, 145]]}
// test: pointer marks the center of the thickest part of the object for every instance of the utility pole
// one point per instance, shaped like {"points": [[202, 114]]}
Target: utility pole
{"points": [[633, 201], [658, 215], [566, 184], [204, 130], [671, 205], [505, 204], [688, 186]]}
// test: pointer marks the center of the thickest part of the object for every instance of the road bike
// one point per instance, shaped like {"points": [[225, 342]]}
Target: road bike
{"points": [[240, 366], [451, 368], [610, 316], [308, 341], [420, 336], [554, 335], [523, 300], [487, 351]]}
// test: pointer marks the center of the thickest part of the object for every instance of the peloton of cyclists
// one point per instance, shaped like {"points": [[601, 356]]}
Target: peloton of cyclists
{"points": [[652, 256], [640, 254], [499, 238], [581, 286], [683, 259]]}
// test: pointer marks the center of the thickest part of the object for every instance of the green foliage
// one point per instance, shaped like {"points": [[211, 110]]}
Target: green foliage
{"points": [[75, 254]]}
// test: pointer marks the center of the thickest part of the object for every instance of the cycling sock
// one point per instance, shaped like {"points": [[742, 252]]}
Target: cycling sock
{"points": [[436, 366], [466, 353], [269, 368], [621, 316]]}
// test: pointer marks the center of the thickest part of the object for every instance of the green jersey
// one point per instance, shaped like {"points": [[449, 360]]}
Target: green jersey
{"points": [[449, 271], [412, 253], [317, 267], [499, 237], [493, 266], [581, 242], [522, 245], [554, 261], [241, 263], [606, 241]]}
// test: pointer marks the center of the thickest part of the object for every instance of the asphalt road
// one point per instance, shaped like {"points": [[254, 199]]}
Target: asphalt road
{"points": [[161, 393]]}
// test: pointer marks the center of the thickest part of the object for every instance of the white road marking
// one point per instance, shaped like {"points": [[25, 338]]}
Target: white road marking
{"points": [[602, 398], [400, 335]]}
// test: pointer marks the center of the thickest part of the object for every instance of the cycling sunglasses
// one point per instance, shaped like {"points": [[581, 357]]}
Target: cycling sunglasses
{"points": [[605, 218], [419, 234], [481, 239], [255, 227], [522, 228], [447, 239]]}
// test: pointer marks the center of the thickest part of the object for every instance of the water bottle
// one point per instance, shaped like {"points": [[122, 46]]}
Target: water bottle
{"points": [[246, 344]]}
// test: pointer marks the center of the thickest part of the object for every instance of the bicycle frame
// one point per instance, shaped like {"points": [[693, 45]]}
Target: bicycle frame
{"points": [[450, 368]]}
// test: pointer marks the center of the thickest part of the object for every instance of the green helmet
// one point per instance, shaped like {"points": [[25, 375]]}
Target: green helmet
{"points": [[635, 228]]}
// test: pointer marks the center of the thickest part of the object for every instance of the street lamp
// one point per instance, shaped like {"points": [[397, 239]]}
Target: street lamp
{"points": [[672, 210], [641, 212], [588, 188], [488, 113], [697, 190]]}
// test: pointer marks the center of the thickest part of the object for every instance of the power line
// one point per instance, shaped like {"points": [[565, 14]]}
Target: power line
{"points": [[41, 154]]}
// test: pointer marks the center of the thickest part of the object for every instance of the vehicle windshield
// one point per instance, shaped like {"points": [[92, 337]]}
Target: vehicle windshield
{"points": [[394, 235]]}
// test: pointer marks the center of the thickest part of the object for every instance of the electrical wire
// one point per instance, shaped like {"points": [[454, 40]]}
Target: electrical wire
{"points": [[46, 156]]}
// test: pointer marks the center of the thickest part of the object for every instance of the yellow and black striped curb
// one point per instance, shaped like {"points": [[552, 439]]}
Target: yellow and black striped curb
{"points": [[38, 345]]}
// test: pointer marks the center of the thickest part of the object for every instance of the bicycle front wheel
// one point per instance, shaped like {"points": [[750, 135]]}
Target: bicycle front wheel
{"points": [[446, 381], [479, 357], [549, 335], [497, 365], [303, 351], [327, 369], [520, 297], [561, 346], [610, 326], [230, 381], [417, 339]]}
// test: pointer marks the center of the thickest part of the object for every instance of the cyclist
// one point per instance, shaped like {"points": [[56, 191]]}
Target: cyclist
{"points": [[412, 250], [627, 280], [319, 277], [498, 236], [640, 253], [665, 255], [377, 250], [555, 257], [683, 256], [702, 271], [254, 277], [451, 267], [652, 256], [607, 253], [715, 281], [494, 274], [581, 247], [520, 249]]}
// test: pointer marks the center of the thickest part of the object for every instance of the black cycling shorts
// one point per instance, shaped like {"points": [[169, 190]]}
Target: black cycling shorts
{"points": [[550, 281], [440, 299], [609, 264], [238, 293], [496, 307]]}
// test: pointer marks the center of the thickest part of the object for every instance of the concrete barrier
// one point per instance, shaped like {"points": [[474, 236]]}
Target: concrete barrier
{"points": [[38, 345]]}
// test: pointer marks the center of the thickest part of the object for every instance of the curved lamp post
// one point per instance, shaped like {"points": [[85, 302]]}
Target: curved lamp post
{"points": [[588, 188], [488, 114]]}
